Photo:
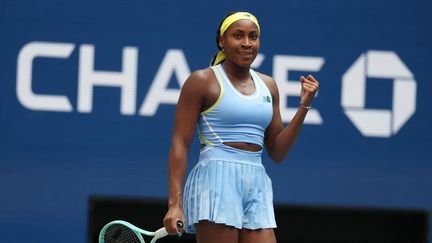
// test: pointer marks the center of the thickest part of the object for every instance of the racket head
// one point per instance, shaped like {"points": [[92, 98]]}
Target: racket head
{"points": [[120, 231]]}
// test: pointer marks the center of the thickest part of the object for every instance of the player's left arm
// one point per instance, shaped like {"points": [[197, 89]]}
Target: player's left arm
{"points": [[279, 139]]}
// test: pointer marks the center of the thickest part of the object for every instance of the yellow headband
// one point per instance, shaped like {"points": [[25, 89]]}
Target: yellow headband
{"points": [[235, 17], [220, 56]]}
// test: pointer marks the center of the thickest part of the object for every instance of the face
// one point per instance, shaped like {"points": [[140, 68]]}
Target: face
{"points": [[241, 42]]}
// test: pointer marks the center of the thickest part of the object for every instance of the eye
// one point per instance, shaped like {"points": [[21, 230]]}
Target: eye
{"points": [[237, 35], [253, 36]]}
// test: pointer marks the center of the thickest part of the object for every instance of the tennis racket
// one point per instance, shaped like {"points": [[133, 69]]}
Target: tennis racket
{"points": [[120, 231]]}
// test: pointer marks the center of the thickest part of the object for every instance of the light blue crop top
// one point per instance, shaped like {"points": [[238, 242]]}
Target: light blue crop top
{"points": [[236, 117]]}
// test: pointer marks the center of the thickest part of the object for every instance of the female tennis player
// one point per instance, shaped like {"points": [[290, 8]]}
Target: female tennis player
{"points": [[228, 195]]}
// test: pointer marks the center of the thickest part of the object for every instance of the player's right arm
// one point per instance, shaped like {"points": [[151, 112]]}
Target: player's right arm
{"points": [[190, 103]]}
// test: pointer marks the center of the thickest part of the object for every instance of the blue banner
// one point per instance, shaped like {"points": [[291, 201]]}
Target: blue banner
{"points": [[88, 93]]}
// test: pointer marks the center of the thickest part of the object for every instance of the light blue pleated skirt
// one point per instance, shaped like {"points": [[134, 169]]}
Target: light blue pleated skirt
{"points": [[229, 186]]}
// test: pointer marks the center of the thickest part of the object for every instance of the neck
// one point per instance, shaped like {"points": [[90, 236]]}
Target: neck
{"points": [[236, 71]]}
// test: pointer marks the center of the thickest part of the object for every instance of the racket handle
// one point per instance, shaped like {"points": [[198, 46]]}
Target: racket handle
{"points": [[161, 233], [180, 225]]}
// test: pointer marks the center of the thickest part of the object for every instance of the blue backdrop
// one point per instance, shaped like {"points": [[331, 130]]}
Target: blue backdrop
{"points": [[88, 92]]}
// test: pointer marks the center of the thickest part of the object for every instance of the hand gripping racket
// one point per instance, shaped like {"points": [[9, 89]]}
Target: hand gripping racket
{"points": [[120, 231]]}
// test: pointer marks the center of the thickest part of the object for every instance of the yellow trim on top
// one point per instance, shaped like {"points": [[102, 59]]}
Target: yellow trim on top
{"points": [[219, 79], [205, 140]]}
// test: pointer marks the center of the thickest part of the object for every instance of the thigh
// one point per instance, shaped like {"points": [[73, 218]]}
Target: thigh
{"points": [[208, 232], [257, 236]]}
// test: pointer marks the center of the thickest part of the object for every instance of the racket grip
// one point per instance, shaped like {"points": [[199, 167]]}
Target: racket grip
{"points": [[180, 225], [161, 233]]}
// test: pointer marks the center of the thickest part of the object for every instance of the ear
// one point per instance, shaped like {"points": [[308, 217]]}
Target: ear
{"points": [[221, 42]]}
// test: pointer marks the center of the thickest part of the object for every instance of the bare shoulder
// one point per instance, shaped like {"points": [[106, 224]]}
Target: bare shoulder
{"points": [[199, 79], [201, 76], [202, 85]]}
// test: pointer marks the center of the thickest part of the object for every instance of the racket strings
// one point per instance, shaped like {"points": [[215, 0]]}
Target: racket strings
{"points": [[118, 233]]}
